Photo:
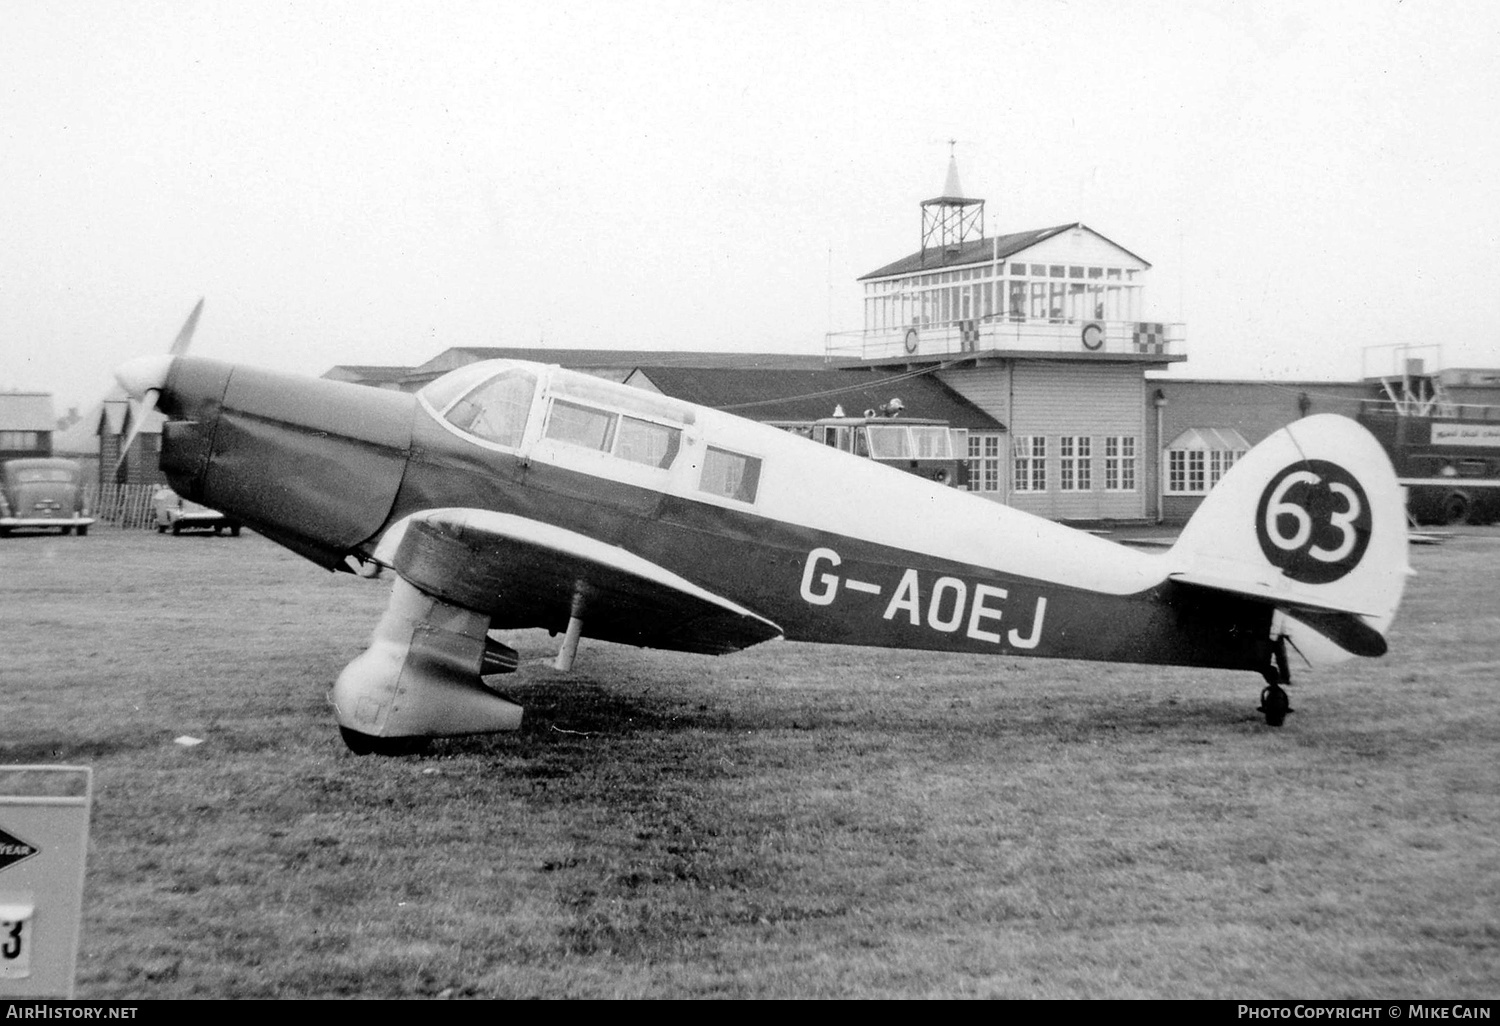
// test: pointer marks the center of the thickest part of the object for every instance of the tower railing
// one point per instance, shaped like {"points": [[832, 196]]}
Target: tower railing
{"points": [[1096, 336]]}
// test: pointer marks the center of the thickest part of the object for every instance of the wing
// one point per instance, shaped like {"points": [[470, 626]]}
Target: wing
{"points": [[525, 573]]}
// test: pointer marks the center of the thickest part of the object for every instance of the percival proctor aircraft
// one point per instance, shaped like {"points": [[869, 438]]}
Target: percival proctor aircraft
{"points": [[510, 495]]}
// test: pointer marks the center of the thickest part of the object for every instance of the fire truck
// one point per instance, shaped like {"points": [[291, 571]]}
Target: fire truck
{"points": [[916, 445]]}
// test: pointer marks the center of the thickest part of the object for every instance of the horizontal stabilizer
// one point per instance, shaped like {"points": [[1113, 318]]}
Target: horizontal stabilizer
{"points": [[1270, 588], [1345, 630], [1344, 627]]}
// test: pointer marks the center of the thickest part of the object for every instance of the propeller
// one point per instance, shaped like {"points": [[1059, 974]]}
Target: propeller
{"points": [[143, 378]]}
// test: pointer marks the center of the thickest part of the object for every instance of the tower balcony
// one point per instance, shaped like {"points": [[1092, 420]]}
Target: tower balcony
{"points": [[1137, 341]]}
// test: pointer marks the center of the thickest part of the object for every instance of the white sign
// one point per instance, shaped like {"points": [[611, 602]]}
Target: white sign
{"points": [[1466, 434], [44, 834]]}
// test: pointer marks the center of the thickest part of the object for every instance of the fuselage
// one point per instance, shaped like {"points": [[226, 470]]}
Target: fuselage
{"points": [[829, 546]]}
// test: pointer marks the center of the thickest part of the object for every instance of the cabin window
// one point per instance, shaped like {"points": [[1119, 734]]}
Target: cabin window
{"points": [[1119, 463], [641, 441], [1075, 464], [730, 474], [888, 442], [930, 442], [1030, 463], [497, 410], [581, 425]]}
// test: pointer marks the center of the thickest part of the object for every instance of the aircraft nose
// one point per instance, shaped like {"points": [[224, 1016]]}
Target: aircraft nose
{"points": [[143, 374]]}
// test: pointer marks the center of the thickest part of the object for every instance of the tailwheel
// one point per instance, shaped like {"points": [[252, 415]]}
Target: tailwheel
{"points": [[1274, 702], [368, 744]]}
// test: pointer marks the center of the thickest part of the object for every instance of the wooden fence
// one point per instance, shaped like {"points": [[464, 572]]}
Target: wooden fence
{"points": [[127, 506]]}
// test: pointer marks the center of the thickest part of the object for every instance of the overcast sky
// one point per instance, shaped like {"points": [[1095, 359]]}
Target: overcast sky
{"points": [[373, 182]]}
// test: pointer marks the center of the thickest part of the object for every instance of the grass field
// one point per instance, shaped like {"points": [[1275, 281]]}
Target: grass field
{"points": [[790, 821]]}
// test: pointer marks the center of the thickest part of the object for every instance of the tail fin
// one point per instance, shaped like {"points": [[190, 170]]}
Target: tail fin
{"points": [[1313, 522]]}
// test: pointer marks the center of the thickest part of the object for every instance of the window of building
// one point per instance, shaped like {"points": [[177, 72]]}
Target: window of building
{"points": [[1029, 459], [1119, 463], [730, 474], [1199, 457], [1219, 462], [1075, 468], [1185, 472], [1038, 299], [984, 461]]}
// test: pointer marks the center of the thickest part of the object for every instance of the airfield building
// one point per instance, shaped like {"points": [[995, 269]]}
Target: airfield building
{"points": [[1043, 330], [1039, 346], [26, 425]]}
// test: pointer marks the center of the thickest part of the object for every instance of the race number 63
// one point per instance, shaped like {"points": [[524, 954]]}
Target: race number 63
{"points": [[1313, 521]]}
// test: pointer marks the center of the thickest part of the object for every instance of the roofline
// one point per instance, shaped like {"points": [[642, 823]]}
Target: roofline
{"points": [[1043, 236]]}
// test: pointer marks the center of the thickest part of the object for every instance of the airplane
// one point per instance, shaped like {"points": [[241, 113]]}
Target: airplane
{"points": [[508, 495]]}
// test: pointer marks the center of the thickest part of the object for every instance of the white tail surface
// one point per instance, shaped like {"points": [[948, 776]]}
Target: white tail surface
{"points": [[1312, 518]]}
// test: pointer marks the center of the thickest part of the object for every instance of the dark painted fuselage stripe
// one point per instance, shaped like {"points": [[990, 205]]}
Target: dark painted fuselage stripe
{"points": [[879, 596]]}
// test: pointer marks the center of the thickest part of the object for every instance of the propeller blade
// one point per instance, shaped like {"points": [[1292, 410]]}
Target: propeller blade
{"points": [[185, 336], [141, 414], [144, 377]]}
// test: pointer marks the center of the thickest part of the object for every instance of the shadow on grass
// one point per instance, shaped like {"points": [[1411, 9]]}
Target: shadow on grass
{"points": [[75, 750]]}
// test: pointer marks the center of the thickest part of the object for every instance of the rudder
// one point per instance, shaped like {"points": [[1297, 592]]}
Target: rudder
{"points": [[1311, 520]]}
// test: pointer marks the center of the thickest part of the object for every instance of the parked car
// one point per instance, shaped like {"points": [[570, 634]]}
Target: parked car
{"points": [[176, 514], [42, 494]]}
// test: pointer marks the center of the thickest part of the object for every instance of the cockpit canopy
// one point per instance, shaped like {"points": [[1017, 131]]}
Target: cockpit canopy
{"points": [[495, 402]]}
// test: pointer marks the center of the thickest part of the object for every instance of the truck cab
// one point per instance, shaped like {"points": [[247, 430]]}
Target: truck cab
{"points": [[915, 445]]}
